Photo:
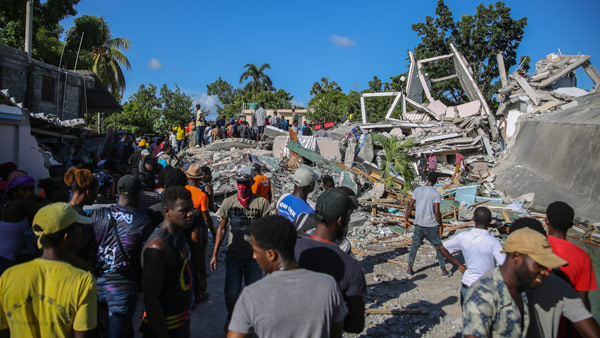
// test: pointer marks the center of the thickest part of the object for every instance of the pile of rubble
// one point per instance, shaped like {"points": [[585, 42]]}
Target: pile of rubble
{"points": [[398, 305]]}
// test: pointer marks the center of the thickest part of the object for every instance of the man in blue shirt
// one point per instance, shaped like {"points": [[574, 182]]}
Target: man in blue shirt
{"points": [[292, 205]]}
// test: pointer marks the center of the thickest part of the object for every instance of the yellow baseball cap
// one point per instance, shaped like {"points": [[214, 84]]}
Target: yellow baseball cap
{"points": [[56, 217], [530, 242]]}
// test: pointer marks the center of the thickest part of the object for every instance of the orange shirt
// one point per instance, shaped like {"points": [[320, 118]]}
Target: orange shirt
{"points": [[199, 198], [262, 186]]}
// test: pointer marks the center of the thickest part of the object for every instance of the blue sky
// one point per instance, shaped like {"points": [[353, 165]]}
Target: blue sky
{"points": [[192, 43]]}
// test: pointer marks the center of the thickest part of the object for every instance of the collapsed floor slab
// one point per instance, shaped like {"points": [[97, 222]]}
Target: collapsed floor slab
{"points": [[557, 156]]}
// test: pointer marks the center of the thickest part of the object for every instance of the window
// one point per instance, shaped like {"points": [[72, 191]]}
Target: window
{"points": [[48, 89]]}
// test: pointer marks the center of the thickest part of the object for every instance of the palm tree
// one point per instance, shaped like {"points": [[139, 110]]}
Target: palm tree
{"points": [[397, 159], [260, 80], [106, 56], [324, 86]]}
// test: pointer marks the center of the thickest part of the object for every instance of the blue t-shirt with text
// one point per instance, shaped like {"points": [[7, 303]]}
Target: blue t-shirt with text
{"points": [[291, 206]]}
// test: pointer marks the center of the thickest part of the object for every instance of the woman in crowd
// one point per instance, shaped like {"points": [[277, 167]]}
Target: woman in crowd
{"points": [[16, 213]]}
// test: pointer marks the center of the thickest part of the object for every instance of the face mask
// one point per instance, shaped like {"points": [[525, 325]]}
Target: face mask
{"points": [[244, 194]]}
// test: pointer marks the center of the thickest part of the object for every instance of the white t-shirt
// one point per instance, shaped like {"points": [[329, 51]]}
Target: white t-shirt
{"points": [[173, 140], [480, 250], [261, 116]]}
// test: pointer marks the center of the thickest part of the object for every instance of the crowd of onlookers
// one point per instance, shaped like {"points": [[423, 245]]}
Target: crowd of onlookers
{"points": [[77, 248]]}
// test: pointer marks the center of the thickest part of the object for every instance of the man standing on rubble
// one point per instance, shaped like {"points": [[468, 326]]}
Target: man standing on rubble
{"points": [[427, 217], [479, 248], [261, 117], [200, 126], [292, 205], [239, 211], [423, 166], [432, 162]]}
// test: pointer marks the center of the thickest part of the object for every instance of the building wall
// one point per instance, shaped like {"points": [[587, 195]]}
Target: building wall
{"points": [[282, 113], [24, 81]]}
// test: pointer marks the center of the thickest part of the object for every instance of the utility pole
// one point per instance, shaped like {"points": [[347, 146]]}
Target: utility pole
{"points": [[29, 28]]}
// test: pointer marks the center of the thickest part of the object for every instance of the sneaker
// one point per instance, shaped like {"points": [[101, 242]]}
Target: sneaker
{"points": [[410, 272], [446, 274], [197, 146]]}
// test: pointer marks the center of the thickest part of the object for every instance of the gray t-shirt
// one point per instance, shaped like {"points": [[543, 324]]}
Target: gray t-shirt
{"points": [[553, 298], [425, 197], [261, 116], [295, 303]]}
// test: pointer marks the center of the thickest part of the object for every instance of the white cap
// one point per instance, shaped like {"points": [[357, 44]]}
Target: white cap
{"points": [[305, 176]]}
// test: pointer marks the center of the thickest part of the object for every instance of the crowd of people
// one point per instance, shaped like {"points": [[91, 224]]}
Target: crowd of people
{"points": [[75, 256]]}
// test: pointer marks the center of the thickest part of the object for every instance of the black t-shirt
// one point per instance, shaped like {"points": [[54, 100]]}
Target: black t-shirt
{"points": [[328, 258], [118, 270]]}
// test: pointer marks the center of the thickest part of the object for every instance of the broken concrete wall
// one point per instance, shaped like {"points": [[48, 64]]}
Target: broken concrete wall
{"points": [[557, 156], [19, 146]]}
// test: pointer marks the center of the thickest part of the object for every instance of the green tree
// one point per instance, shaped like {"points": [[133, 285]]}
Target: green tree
{"points": [[478, 37], [260, 81], [140, 112], [224, 92], [100, 51], [46, 45], [176, 108], [324, 86]]}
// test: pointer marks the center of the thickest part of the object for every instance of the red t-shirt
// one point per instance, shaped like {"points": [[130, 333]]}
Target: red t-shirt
{"points": [[579, 270], [459, 158]]}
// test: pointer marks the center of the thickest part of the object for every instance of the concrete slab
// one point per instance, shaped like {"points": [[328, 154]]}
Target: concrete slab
{"points": [[438, 107], [274, 132], [570, 91], [329, 149], [397, 132], [536, 160], [468, 109], [451, 112], [229, 143], [279, 149], [349, 158]]}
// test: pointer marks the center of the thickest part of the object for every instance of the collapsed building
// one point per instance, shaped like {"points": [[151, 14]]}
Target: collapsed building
{"points": [[551, 155]]}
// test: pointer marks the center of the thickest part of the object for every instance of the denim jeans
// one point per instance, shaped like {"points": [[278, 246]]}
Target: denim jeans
{"points": [[235, 269], [179, 145], [433, 236], [200, 135], [121, 306]]}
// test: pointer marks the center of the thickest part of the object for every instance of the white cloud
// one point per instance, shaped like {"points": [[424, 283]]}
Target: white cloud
{"points": [[341, 41], [154, 64], [298, 103], [208, 103]]}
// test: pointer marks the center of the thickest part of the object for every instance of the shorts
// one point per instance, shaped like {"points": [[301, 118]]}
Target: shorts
{"points": [[261, 129]]}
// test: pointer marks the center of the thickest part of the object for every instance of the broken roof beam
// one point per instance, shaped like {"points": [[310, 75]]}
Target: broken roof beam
{"points": [[502, 70], [445, 78], [423, 108], [436, 58], [591, 71], [467, 81], [424, 82], [414, 90], [562, 73], [439, 137], [528, 90]]}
